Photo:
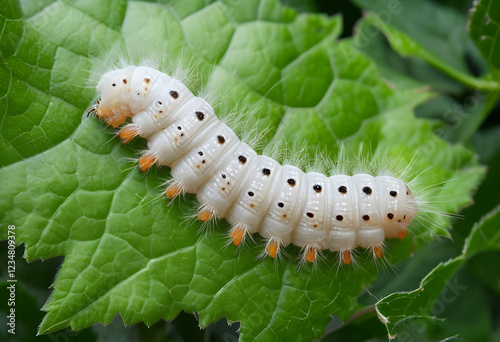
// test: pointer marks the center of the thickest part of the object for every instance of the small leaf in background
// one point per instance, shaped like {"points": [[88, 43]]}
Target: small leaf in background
{"points": [[400, 308], [485, 31], [435, 33], [445, 47]]}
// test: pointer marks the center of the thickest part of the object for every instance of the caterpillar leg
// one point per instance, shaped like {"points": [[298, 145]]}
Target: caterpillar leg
{"points": [[146, 161], [310, 252], [206, 213], [115, 120], [346, 256], [272, 247], [238, 233], [112, 118], [128, 132], [174, 190], [378, 251], [94, 108], [99, 112]]}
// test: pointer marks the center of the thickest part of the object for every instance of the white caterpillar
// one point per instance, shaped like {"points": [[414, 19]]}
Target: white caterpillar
{"points": [[253, 192]]}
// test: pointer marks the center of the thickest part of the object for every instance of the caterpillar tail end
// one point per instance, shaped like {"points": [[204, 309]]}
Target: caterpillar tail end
{"points": [[146, 161], [128, 132]]}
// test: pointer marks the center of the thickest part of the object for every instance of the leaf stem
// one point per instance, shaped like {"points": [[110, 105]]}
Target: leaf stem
{"points": [[407, 46], [467, 80]]}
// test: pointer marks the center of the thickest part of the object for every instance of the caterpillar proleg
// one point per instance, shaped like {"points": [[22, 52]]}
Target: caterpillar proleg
{"points": [[255, 193]]}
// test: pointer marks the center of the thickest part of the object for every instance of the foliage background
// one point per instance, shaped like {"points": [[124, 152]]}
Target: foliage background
{"points": [[462, 102]]}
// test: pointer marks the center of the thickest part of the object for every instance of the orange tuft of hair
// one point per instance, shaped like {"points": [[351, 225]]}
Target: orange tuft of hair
{"points": [[346, 256], [311, 254], [272, 248], [115, 120], [146, 161], [205, 215], [128, 133], [173, 191], [237, 235]]}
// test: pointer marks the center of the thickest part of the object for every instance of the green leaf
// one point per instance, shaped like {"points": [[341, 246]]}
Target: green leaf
{"points": [[398, 308], [445, 46], [71, 189], [407, 46], [401, 307], [485, 31], [416, 22], [485, 235], [410, 30]]}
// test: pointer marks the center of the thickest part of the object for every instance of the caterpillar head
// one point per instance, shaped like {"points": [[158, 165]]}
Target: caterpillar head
{"points": [[112, 86]]}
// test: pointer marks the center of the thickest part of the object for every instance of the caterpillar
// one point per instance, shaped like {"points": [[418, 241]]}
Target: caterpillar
{"points": [[255, 193]]}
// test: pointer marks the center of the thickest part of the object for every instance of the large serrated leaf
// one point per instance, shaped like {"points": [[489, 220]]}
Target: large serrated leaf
{"points": [[400, 308], [69, 187]]}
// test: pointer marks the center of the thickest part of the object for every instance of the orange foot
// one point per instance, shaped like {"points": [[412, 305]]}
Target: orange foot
{"points": [[205, 215], [237, 234], [311, 254], [115, 120], [377, 249], [127, 133], [272, 248], [146, 161], [346, 256], [173, 191]]}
